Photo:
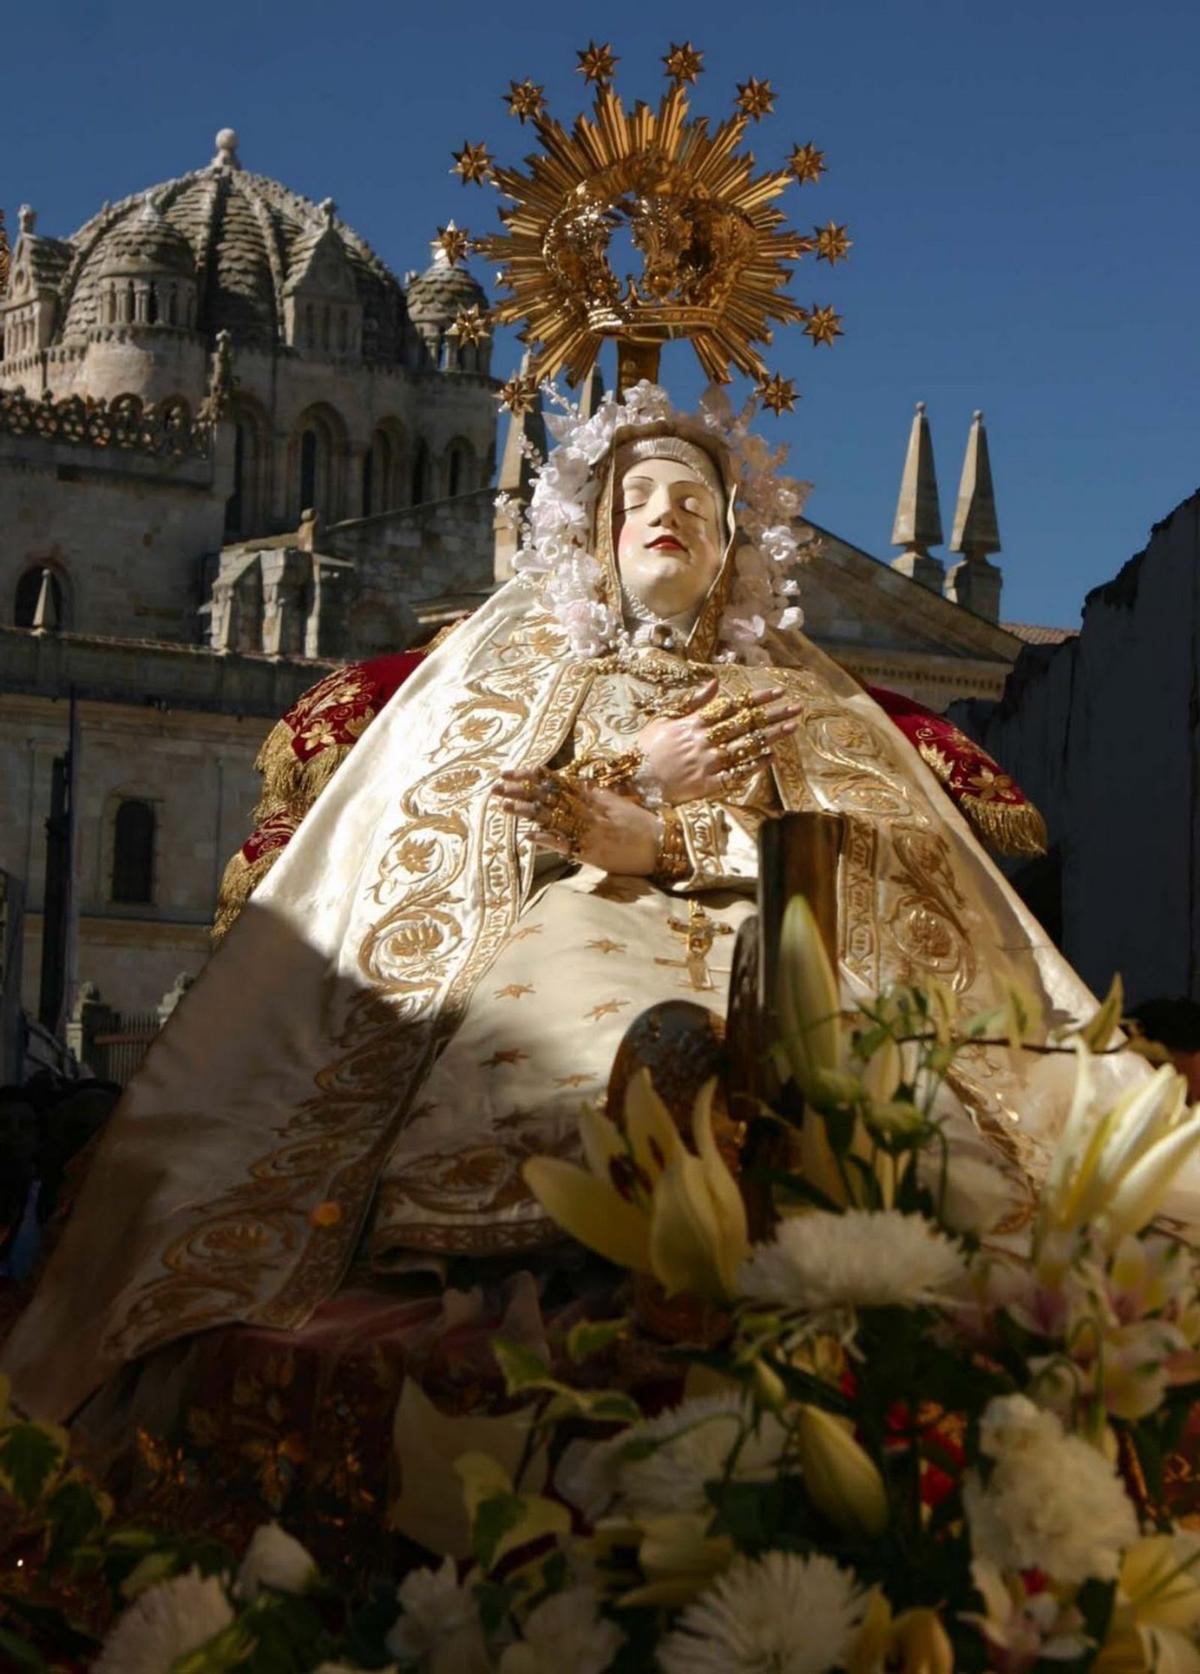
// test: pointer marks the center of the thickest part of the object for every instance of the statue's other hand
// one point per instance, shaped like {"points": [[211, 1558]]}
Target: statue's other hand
{"points": [[597, 827], [718, 739]]}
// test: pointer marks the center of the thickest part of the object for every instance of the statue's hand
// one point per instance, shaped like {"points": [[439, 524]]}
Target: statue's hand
{"points": [[716, 741], [599, 827]]}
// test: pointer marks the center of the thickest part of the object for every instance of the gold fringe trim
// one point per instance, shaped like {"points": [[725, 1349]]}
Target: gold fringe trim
{"points": [[1007, 827], [289, 782], [238, 883]]}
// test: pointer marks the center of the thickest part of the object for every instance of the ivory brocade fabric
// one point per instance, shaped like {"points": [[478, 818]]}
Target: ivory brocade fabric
{"points": [[413, 1001]]}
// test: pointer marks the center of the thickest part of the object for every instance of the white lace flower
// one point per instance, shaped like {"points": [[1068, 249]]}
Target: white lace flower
{"points": [[864, 1258], [1051, 1502], [276, 1559], [697, 1438], [566, 1634], [782, 1614], [166, 1622], [439, 1624], [555, 529]]}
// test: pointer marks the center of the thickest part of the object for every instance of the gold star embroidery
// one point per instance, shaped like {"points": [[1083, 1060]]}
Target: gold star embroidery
{"points": [[571, 1080], [474, 163], [823, 326], [604, 944], [606, 1008], [528, 930], [504, 1055], [514, 991], [807, 163]]}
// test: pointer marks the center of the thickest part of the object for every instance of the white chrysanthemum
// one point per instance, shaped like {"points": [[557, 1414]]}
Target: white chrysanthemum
{"points": [[276, 1559], [166, 1622], [1051, 1502], [566, 1634], [864, 1258], [782, 1614], [696, 1439], [438, 1626]]}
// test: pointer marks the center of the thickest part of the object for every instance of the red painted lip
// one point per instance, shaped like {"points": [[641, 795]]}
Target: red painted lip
{"points": [[668, 543]]}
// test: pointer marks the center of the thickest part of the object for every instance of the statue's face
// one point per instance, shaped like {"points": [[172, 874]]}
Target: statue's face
{"points": [[666, 534]]}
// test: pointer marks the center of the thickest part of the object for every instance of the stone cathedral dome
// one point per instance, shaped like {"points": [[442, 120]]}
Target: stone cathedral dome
{"points": [[245, 239]]}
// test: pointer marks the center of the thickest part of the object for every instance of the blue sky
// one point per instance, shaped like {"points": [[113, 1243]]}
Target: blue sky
{"points": [[1020, 181]]}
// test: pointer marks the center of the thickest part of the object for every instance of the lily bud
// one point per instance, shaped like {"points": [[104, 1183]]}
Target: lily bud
{"points": [[809, 999], [842, 1480], [920, 1644]]}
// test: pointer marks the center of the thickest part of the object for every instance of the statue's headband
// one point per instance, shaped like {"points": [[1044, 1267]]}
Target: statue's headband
{"points": [[683, 452]]}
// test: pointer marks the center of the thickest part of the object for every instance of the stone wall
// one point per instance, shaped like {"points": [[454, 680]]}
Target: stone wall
{"points": [[1104, 733], [125, 534], [176, 727], [406, 557]]}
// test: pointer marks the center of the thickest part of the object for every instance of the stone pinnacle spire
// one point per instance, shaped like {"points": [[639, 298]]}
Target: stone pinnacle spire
{"points": [[918, 524], [45, 612], [976, 532], [974, 582], [526, 436]]}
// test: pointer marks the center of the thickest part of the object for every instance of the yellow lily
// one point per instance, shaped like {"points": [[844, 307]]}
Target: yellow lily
{"points": [[645, 1201], [679, 1558], [841, 1479], [809, 999], [915, 1642], [1157, 1611], [1117, 1165]]}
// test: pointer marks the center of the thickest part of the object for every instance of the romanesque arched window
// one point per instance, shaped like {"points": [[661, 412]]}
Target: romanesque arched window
{"points": [[133, 853], [459, 469], [420, 476], [29, 589], [310, 447]]}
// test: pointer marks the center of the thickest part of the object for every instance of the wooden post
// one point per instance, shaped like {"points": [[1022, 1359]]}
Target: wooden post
{"points": [[797, 855]]}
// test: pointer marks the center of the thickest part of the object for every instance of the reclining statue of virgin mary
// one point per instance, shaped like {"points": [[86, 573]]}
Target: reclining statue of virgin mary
{"points": [[437, 973]]}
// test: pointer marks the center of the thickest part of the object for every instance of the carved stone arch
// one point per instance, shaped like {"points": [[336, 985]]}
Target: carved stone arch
{"points": [[385, 468], [28, 591], [460, 468], [247, 508], [318, 463]]}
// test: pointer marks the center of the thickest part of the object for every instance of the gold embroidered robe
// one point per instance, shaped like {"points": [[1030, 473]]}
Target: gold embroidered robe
{"points": [[410, 1006]]}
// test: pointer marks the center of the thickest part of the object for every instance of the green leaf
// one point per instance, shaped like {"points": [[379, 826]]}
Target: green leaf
{"points": [[522, 1368], [75, 1512], [494, 1519], [30, 1454], [22, 1653], [590, 1337], [493, 1601]]}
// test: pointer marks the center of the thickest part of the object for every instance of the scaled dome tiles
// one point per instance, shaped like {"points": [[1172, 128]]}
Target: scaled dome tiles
{"points": [[241, 236]]}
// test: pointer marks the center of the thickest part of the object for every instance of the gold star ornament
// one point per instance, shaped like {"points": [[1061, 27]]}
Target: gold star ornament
{"points": [[807, 164], [779, 394], [823, 325], [597, 63], [683, 63], [472, 325], [520, 394], [525, 99], [832, 243], [453, 242], [755, 99], [473, 163], [671, 194]]}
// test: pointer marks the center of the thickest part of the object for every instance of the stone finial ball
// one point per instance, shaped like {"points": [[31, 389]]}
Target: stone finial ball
{"points": [[227, 139]]}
